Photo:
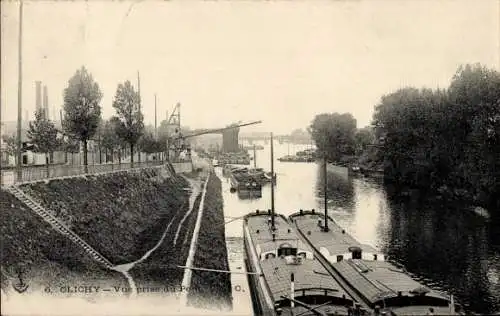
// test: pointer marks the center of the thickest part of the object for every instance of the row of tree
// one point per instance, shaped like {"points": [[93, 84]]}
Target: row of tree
{"points": [[445, 139], [82, 122]]}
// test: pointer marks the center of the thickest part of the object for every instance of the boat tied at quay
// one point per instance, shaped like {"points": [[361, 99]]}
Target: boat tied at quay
{"points": [[258, 174], [289, 281], [285, 278], [245, 184], [383, 285]]}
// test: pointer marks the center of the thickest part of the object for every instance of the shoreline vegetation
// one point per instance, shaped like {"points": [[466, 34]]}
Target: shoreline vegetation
{"points": [[437, 142]]}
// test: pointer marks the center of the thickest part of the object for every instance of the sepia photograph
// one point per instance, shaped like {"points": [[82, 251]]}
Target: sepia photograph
{"points": [[250, 157]]}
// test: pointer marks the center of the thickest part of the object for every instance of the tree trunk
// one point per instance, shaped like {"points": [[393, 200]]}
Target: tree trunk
{"points": [[131, 155], [100, 155], [119, 156], [65, 157], [85, 161], [47, 163]]}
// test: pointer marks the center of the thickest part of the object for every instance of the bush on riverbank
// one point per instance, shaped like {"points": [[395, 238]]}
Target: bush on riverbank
{"points": [[211, 289], [43, 256], [113, 213], [446, 141]]}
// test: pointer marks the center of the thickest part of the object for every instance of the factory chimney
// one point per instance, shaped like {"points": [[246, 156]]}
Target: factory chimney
{"points": [[45, 103], [38, 100]]}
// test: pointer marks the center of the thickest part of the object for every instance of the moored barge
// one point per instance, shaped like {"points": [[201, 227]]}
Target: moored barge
{"points": [[285, 278], [289, 281], [384, 285], [245, 184]]}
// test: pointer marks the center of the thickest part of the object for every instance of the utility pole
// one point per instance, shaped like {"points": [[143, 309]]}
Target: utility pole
{"points": [[272, 183], [156, 126], [64, 137], [139, 90], [325, 188], [19, 96], [254, 157], [179, 115], [139, 106]]}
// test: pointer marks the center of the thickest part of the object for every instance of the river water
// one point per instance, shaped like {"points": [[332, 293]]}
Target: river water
{"points": [[444, 246]]}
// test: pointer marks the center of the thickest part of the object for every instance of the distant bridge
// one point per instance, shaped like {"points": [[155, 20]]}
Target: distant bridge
{"points": [[280, 138]]}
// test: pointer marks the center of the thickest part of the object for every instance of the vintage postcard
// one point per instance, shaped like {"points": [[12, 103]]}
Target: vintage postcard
{"points": [[250, 157]]}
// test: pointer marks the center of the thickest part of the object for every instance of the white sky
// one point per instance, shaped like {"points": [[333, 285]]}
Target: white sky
{"points": [[225, 61]]}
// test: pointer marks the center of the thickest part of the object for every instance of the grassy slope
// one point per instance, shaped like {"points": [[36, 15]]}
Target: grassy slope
{"points": [[160, 269], [46, 257], [211, 289], [114, 213], [132, 209]]}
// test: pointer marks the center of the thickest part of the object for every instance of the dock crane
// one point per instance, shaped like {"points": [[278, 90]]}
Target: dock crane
{"points": [[177, 143]]}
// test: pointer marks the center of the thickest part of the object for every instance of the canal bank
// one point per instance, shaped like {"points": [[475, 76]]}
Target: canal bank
{"points": [[209, 289], [149, 219], [241, 300]]}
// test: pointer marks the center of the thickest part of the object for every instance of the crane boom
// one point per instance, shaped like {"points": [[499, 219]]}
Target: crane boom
{"points": [[216, 130]]}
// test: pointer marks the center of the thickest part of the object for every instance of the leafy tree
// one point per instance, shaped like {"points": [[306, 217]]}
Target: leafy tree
{"points": [[129, 122], [163, 140], [11, 145], [363, 137], [301, 136], [70, 145], [446, 140], [109, 139], [149, 144], [43, 135], [82, 111], [163, 128], [333, 134]]}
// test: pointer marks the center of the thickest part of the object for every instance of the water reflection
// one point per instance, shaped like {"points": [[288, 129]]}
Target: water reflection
{"points": [[446, 247], [441, 245], [340, 190]]}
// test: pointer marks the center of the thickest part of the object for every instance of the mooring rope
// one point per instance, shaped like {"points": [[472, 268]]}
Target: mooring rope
{"points": [[215, 270]]}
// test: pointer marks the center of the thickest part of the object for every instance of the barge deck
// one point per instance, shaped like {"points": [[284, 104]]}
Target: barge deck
{"points": [[289, 277], [383, 285]]}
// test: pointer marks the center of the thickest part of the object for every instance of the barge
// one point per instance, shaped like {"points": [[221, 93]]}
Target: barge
{"points": [[288, 279], [245, 184], [344, 170], [284, 277], [373, 173], [290, 158], [383, 285]]}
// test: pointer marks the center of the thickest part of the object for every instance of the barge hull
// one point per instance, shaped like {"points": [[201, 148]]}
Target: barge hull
{"points": [[377, 281]]}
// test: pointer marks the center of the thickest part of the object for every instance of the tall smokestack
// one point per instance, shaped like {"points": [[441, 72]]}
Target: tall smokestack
{"points": [[38, 100], [45, 102]]}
